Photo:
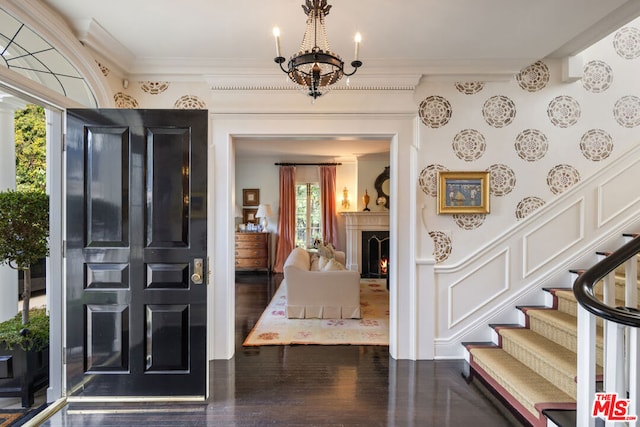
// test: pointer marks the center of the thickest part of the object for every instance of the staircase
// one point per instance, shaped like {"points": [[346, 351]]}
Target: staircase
{"points": [[531, 366]]}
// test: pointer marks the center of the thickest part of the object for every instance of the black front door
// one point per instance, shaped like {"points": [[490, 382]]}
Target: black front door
{"points": [[136, 253]]}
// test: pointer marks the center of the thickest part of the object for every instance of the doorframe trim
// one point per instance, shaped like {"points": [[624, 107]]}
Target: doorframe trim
{"points": [[402, 131]]}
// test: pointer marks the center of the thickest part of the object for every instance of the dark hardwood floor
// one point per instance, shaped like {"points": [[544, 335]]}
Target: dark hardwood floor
{"points": [[308, 386]]}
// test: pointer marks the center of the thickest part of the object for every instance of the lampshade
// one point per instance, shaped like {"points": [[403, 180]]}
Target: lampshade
{"points": [[238, 212], [264, 211]]}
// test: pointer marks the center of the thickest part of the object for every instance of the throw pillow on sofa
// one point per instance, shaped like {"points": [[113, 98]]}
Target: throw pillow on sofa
{"points": [[326, 251], [315, 258], [333, 265], [322, 262]]}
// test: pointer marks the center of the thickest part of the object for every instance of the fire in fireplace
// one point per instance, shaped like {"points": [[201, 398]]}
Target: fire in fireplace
{"points": [[375, 254], [384, 264]]}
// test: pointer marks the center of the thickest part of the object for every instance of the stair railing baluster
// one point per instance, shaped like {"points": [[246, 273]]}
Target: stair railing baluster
{"points": [[631, 283], [586, 372], [621, 329], [634, 374]]}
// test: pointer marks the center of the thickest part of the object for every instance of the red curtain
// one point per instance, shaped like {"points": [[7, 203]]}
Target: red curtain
{"points": [[286, 217], [328, 203]]}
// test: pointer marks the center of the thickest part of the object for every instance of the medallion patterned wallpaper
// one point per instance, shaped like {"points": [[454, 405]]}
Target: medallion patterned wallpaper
{"points": [[153, 89], [536, 135]]}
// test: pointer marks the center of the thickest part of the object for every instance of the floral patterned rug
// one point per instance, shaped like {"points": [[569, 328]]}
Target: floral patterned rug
{"points": [[274, 328], [9, 417]]}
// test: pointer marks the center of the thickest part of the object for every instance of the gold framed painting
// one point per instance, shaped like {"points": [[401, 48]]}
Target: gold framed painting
{"points": [[251, 196], [463, 192]]}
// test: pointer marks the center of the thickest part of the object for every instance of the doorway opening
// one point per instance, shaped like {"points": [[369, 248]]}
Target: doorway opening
{"points": [[254, 159]]}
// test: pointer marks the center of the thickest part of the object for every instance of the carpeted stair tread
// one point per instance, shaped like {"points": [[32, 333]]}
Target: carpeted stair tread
{"points": [[524, 384], [549, 352], [567, 301], [549, 359], [548, 319]]}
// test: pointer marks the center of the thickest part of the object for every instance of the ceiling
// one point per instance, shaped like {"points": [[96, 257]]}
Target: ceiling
{"points": [[428, 37]]}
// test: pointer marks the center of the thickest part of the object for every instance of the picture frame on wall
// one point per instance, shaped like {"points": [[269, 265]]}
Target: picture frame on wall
{"points": [[251, 196], [465, 192], [249, 216]]}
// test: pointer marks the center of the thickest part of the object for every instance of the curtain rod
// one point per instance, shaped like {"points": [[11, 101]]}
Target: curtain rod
{"points": [[308, 164]]}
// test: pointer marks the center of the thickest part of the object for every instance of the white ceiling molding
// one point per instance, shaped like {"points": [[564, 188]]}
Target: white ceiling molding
{"points": [[572, 68], [104, 45], [375, 73], [599, 30], [280, 82]]}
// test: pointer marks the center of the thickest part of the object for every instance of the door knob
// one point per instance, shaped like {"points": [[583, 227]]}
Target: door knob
{"points": [[196, 277]]}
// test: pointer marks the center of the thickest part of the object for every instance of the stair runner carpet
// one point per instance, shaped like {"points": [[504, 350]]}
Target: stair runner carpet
{"points": [[532, 367]]}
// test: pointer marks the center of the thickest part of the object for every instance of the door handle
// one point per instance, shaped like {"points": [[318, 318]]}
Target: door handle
{"points": [[196, 277]]}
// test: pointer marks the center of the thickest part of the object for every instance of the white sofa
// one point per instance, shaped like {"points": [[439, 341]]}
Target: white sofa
{"points": [[331, 294]]}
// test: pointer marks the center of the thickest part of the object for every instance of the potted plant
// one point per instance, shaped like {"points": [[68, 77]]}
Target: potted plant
{"points": [[24, 340]]}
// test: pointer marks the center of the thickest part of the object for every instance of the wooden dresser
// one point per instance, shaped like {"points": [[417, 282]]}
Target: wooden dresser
{"points": [[252, 251]]}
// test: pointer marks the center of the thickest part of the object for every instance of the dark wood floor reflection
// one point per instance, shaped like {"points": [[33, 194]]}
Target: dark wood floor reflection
{"points": [[310, 386]]}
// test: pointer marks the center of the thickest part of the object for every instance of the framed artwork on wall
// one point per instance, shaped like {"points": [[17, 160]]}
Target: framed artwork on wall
{"points": [[250, 196], [249, 215], [463, 192]]}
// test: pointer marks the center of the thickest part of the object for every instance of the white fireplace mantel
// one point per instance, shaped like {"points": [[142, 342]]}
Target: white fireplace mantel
{"points": [[356, 223]]}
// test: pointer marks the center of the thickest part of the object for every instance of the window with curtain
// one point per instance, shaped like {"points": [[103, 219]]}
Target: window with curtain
{"points": [[308, 214]]}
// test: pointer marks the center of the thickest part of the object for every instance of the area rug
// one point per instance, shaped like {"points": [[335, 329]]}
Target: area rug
{"points": [[274, 328], [9, 416]]}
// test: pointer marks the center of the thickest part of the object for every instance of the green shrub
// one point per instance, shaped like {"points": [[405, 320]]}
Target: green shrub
{"points": [[34, 336], [24, 233]]}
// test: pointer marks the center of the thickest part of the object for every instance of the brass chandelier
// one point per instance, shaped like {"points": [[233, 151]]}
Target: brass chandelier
{"points": [[314, 67]]}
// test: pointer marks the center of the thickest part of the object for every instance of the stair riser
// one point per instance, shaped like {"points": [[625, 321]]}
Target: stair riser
{"points": [[569, 306]]}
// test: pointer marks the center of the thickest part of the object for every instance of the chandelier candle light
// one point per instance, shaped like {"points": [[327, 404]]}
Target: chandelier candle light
{"points": [[315, 68]]}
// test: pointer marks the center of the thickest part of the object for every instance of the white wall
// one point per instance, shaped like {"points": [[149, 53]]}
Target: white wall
{"points": [[369, 167]]}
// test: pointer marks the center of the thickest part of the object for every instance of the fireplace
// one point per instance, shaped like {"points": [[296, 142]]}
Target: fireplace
{"points": [[375, 254], [358, 223]]}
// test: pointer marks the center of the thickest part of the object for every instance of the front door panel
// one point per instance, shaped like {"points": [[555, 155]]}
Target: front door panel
{"points": [[136, 204]]}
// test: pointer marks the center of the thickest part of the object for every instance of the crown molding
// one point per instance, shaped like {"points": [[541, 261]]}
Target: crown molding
{"points": [[619, 17], [374, 75], [281, 82], [103, 44]]}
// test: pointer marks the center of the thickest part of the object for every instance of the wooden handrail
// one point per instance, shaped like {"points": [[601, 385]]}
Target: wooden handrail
{"points": [[583, 287]]}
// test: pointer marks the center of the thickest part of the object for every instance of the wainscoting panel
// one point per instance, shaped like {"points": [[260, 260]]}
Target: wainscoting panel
{"points": [[614, 195], [509, 270], [552, 237], [485, 283]]}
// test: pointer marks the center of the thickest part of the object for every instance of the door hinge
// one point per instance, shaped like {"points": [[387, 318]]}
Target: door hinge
{"points": [[64, 249], [64, 355], [64, 142]]}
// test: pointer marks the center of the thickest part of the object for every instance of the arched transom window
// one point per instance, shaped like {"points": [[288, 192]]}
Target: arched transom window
{"points": [[25, 52]]}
